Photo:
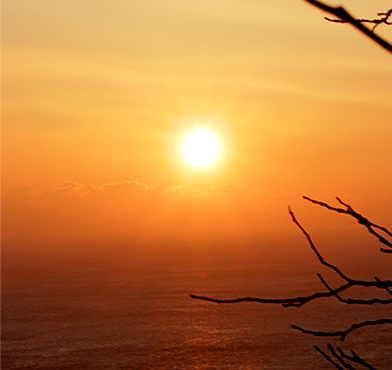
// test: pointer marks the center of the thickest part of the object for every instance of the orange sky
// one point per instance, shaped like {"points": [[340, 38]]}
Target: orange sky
{"points": [[96, 96]]}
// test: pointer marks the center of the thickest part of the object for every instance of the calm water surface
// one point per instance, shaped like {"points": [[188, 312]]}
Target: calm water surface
{"points": [[127, 318]]}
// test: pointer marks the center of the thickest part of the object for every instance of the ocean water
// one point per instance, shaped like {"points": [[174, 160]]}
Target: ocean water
{"points": [[118, 317]]}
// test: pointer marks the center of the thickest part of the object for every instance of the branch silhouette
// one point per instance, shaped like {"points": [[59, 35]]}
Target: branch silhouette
{"points": [[328, 358], [375, 22], [370, 226], [343, 333], [336, 357], [342, 357], [344, 17], [299, 301], [354, 358]]}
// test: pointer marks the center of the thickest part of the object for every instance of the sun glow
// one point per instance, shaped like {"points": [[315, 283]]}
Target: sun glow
{"points": [[201, 148]]}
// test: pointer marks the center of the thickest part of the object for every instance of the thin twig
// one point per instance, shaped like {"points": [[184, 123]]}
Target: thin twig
{"points": [[299, 301], [355, 358], [328, 358], [285, 302], [343, 333], [352, 300], [339, 357], [370, 226], [319, 256], [375, 22], [343, 15]]}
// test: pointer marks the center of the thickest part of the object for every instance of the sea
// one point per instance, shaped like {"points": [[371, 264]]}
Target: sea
{"points": [[121, 316]]}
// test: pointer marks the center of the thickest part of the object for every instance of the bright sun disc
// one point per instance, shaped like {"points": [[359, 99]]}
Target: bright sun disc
{"points": [[201, 148]]}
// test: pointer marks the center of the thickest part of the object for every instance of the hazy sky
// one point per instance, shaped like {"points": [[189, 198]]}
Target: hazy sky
{"points": [[97, 97]]}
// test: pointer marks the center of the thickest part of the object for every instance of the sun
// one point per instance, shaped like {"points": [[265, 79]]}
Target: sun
{"points": [[201, 148]]}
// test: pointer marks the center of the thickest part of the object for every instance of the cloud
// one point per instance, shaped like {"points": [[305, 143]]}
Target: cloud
{"points": [[134, 188], [130, 210], [223, 218], [68, 189], [126, 187], [21, 192]]}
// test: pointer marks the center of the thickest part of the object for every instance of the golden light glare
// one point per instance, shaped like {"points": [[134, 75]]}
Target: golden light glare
{"points": [[201, 148]]}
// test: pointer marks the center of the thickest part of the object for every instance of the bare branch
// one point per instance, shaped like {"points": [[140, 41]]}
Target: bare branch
{"points": [[362, 220], [285, 302], [370, 226], [386, 288], [351, 300], [343, 333], [355, 358], [321, 259], [339, 357], [250, 299], [299, 301], [343, 15], [375, 22], [328, 358]]}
